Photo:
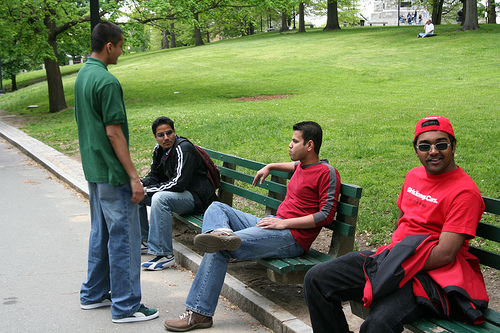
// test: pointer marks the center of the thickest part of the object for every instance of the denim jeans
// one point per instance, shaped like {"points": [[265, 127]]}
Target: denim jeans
{"points": [[160, 225], [114, 250], [255, 243], [328, 284], [425, 34]]}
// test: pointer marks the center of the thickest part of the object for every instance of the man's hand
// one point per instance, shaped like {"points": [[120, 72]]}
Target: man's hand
{"points": [[261, 175], [137, 191], [272, 223]]}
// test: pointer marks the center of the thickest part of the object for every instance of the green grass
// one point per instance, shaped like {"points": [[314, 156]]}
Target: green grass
{"points": [[366, 86]]}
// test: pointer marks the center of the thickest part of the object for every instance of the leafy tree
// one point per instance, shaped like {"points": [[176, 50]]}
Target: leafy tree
{"points": [[48, 21], [16, 52]]}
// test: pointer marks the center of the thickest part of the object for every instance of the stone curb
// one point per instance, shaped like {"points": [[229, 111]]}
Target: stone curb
{"points": [[70, 171]]}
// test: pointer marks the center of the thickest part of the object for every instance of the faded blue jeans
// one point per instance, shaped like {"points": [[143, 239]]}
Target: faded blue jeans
{"points": [[328, 284], [160, 225], [114, 250], [255, 243]]}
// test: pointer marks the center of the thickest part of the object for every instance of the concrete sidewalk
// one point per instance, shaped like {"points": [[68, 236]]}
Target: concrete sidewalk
{"points": [[165, 290]]}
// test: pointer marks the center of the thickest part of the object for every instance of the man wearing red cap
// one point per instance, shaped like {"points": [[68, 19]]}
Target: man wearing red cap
{"points": [[427, 266]]}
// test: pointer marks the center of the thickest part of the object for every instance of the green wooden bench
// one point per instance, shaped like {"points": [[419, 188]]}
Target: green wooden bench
{"points": [[485, 231], [237, 175]]}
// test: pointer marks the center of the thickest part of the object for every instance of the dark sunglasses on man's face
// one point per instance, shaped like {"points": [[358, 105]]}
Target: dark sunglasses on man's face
{"points": [[439, 146], [162, 134]]}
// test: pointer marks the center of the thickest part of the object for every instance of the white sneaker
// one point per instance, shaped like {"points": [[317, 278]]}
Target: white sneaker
{"points": [[159, 263], [105, 302], [142, 314]]}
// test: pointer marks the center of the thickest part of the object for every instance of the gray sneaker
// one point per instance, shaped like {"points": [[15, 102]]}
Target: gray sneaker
{"points": [[217, 240]]}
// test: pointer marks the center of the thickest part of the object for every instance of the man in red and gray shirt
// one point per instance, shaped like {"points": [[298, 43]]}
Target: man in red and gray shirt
{"points": [[310, 203]]}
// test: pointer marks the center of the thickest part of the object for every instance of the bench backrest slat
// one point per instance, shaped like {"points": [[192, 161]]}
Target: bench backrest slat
{"points": [[492, 205], [486, 257], [257, 197], [488, 232], [243, 162], [268, 185]]}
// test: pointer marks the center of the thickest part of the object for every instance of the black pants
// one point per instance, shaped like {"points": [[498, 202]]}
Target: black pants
{"points": [[330, 283]]}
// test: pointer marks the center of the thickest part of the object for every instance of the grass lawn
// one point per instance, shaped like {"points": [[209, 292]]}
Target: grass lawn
{"points": [[366, 86]]}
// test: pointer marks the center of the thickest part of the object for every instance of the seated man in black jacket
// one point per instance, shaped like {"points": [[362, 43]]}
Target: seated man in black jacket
{"points": [[177, 183]]}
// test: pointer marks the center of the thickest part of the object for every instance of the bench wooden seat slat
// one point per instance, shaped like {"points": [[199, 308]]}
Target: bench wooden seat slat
{"points": [[424, 326], [303, 262], [458, 326], [277, 265], [492, 316]]}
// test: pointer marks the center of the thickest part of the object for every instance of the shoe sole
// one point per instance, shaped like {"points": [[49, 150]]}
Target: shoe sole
{"points": [[152, 268], [196, 326], [136, 319], [92, 306], [209, 243]]}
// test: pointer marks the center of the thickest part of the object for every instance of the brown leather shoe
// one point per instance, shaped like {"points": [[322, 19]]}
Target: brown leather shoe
{"points": [[217, 240], [187, 321]]}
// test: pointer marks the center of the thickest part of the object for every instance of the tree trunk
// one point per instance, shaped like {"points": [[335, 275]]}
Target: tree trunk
{"points": [[284, 22], [470, 19], [332, 20], [164, 39], [173, 42], [14, 82], [197, 32], [57, 100], [437, 11], [302, 24], [492, 15]]}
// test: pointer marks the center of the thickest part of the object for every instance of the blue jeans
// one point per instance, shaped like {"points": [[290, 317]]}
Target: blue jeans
{"points": [[114, 250], [425, 34], [160, 226], [328, 284], [255, 243]]}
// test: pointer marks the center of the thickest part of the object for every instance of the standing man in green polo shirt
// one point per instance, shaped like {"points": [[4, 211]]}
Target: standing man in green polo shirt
{"points": [[114, 185]]}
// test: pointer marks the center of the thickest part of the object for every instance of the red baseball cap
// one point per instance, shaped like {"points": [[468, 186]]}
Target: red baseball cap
{"points": [[433, 123]]}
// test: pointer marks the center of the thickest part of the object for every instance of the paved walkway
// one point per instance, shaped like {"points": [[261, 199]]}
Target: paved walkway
{"points": [[44, 241]]}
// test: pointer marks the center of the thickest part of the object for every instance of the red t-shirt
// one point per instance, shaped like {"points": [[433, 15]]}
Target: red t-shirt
{"points": [[432, 204], [312, 190]]}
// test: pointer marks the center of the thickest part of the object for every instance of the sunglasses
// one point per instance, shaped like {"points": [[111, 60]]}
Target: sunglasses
{"points": [[162, 134], [439, 146]]}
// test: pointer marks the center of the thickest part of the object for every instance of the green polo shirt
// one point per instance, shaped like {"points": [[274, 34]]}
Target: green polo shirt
{"points": [[99, 103]]}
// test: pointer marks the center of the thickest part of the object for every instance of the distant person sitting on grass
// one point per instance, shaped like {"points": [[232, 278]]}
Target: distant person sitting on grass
{"points": [[428, 30]]}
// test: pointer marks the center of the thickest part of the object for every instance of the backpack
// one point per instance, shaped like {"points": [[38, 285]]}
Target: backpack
{"points": [[213, 173]]}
